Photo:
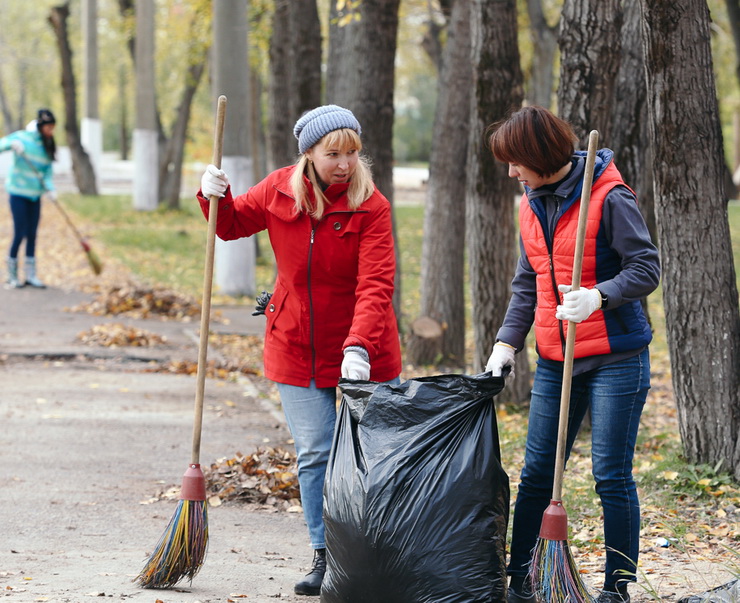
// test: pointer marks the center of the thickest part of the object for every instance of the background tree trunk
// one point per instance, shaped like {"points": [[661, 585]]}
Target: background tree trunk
{"points": [[699, 288], [443, 257], [589, 43], [295, 74], [146, 139], [545, 42], [235, 260], [360, 77], [490, 225], [282, 143], [81, 165]]}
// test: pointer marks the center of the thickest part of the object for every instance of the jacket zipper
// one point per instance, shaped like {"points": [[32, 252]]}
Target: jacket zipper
{"points": [[310, 302], [308, 285]]}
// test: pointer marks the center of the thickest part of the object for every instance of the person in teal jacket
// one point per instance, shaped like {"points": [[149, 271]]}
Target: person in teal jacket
{"points": [[30, 176]]}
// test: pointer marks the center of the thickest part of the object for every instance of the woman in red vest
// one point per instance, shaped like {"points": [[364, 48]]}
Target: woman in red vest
{"points": [[331, 313], [611, 369]]}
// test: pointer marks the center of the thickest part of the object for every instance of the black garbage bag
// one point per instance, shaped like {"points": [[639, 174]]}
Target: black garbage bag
{"points": [[416, 502], [727, 593]]}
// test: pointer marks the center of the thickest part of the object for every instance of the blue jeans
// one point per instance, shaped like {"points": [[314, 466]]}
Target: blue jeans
{"points": [[615, 394], [26, 215], [311, 413]]}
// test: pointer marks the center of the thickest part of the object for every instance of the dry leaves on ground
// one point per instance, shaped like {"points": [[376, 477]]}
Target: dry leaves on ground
{"points": [[266, 476], [119, 335], [141, 302]]}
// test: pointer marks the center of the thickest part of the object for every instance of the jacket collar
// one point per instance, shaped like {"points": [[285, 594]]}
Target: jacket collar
{"points": [[283, 205]]}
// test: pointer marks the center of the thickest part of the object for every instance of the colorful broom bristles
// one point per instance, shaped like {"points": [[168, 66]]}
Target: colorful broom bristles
{"points": [[554, 574], [181, 550]]}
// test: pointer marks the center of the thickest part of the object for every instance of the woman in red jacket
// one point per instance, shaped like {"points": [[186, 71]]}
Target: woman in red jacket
{"points": [[331, 312]]}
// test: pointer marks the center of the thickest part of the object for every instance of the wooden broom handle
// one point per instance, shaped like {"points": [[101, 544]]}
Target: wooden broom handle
{"points": [[205, 313], [570, 340]]}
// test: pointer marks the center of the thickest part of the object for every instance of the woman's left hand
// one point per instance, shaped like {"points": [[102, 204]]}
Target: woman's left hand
{"points": [[577, 305]]}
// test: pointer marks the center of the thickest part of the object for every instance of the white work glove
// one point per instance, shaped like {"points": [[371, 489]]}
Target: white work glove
{"points": [[17, 147], [355, 364], [214, 182], [577, 305], [51, 196], [501, 356]]}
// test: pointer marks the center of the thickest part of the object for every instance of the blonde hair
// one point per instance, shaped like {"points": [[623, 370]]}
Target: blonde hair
{"points": [[360, 185]]}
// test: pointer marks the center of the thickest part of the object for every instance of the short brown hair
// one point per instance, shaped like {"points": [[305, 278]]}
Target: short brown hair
{"points": [[534, 138]]}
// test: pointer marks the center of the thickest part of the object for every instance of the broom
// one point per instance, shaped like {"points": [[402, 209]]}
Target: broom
{"points": [[181, 550], [92, 257], [553, 572]]}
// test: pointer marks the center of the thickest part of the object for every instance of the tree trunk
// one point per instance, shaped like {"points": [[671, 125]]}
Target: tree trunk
{"points": [[589, 61], [443, 257], [545, 42], [171, 167], [360, 77], [81, 164], [235, 260], [490, 220], [733, 14], [295, 74], [146, 138], [305, 63], [699, 288]]}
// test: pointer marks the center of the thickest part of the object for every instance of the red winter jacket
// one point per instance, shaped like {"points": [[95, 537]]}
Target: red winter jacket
{"points": [[334, 284]]}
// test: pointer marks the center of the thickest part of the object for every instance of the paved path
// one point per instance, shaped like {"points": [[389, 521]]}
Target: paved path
{"points": [[88, 435]]}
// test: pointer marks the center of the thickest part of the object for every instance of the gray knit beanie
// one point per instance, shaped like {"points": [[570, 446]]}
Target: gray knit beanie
{"points": [[317, 123]]}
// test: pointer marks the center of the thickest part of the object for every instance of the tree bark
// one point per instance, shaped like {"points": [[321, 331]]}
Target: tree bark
{"points": [[295, 74], [589, 43], [490, 220], [282, 143], [443, 257], [545, 42], [360, 77], [699, 288], [81, 164]]}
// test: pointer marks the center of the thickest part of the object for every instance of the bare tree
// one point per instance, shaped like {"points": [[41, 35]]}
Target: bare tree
{"points": [[490, 224], [443, 257], [589, 43], [700, 293], [81, 164]]}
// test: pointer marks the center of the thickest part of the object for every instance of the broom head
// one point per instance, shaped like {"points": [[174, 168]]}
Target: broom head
{"points": [[181, 550], [553, 572], [92, 257]]}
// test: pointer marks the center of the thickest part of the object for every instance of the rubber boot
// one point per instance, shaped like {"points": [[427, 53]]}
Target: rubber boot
{"points": [[13, 282], [311, 584], [30, 270]]}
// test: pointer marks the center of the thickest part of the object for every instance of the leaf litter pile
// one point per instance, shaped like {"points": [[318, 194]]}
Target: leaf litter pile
{"points": [[267, 476]]}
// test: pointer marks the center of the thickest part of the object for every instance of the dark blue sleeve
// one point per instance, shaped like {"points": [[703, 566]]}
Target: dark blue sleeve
{"points": [[628, 236], [520, 313]]}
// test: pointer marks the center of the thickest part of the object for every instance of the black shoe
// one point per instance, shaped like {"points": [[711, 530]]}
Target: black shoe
{"points": [[524, 597], [608, 596], [311, 584]]}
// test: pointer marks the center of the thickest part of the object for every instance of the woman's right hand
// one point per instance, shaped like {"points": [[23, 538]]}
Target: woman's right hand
{"points": [[214, 182], [501, 357], [17, 147]]}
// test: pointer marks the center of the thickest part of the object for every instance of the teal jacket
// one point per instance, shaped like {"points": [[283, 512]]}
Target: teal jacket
{"points": [[22, 179]]}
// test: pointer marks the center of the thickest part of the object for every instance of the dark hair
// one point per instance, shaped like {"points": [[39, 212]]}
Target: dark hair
{"points": [[534, 138], [45, 116]]}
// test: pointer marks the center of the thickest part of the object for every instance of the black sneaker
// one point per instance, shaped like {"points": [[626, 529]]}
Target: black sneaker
{"points": [[608, 596], [524, 597], [311, 584]]}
